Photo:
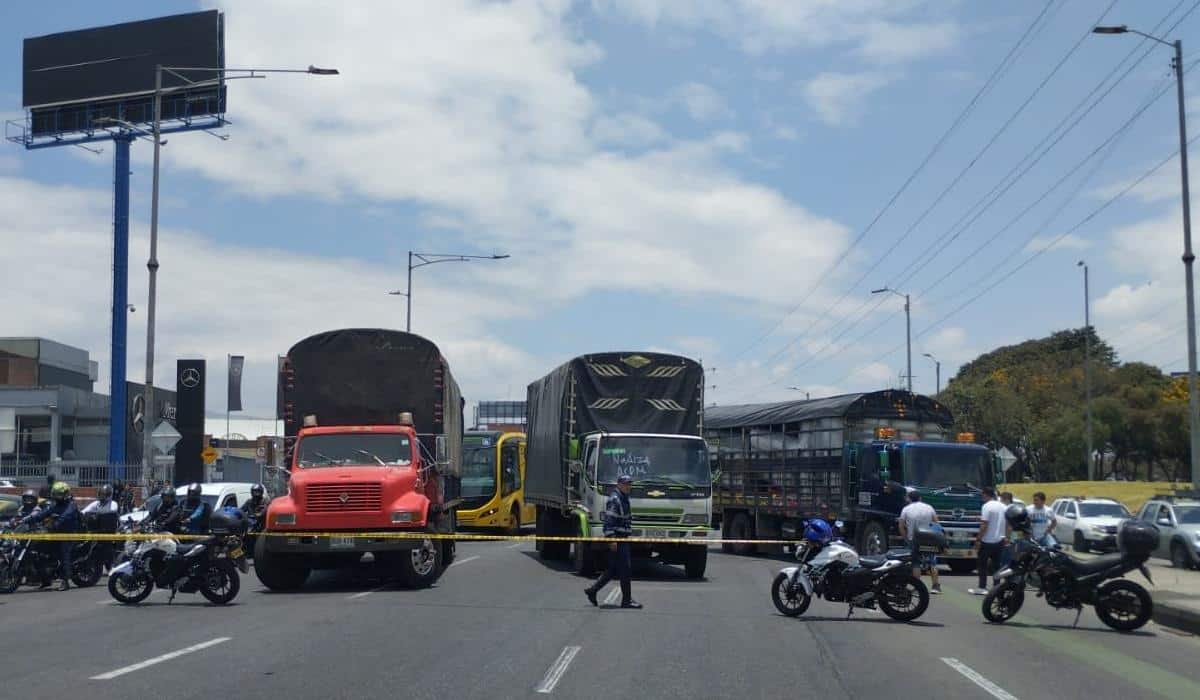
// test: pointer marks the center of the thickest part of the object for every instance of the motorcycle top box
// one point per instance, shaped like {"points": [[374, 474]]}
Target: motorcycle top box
{"points": [[931, 538], [225, 522], [1137, 538]]}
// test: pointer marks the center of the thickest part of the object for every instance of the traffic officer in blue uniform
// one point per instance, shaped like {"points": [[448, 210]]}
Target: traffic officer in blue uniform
{"points": [[618, 523]]}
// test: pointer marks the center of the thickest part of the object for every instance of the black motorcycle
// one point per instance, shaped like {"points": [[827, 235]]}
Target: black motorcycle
{"points": [[22, 561], [90, 559], [1069, 583]]}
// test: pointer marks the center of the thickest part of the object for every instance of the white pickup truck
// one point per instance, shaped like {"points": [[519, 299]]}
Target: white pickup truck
{"points": [[218, 495]]}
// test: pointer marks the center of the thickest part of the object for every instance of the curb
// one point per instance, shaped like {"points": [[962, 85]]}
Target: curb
{"points": [[1179, 617]]}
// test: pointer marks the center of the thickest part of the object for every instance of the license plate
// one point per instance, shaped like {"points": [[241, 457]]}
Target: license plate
{"points": [[341, 543], [656, 533], [237, 553]]}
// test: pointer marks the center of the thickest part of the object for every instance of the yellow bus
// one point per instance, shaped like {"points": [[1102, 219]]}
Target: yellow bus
{"points": [[493, 482]]}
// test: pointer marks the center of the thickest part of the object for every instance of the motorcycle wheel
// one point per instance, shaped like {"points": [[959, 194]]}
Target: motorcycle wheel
{"points": [[86, 573], [789, 600], [221, 582], [903, 598], [1123, 605], [1002, 602], [128, 588], [9, 579]]}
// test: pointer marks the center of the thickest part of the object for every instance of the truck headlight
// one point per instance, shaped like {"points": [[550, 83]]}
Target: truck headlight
{"points": [[403, 516], [285, 519], [1099, 530], [695, 519]]}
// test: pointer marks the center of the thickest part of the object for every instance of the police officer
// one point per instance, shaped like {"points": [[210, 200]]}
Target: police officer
{"points": [[29, 503], [256, 507], [167, 515], [196, 513], [618, 523], [64, 517]]}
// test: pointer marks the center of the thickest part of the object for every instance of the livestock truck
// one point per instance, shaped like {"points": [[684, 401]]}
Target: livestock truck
{"points": [[373, 435], [605, 415], [860, 454]]}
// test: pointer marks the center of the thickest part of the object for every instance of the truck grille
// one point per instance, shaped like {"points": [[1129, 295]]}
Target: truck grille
{"points": [[339, 498], [655, 518]]}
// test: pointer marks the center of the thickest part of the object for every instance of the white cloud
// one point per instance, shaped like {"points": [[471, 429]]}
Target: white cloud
{"points": [[702, 102], [838, 97], [1160, 186], [627, 129], [1067, 242]]}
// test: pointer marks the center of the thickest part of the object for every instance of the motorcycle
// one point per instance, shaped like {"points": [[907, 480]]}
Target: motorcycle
{"points": [[1070, 583], [89, 559], [23, 561], [835, 572], [209, 566]]}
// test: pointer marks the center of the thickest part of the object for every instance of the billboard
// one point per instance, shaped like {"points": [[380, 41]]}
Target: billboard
{"points": [[138, 419], [72, 79], [190, 378]]}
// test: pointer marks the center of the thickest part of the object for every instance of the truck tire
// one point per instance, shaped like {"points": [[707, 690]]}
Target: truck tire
{"points": [[274, 572], [741, 529], [585, 559], [421, 566], [961, 566], [873, 540], [696, 562], [550, 524]]}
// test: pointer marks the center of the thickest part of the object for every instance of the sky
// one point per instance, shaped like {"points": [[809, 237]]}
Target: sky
{"points": [[727, 180]]}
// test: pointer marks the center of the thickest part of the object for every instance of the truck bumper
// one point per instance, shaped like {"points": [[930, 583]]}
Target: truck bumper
{"points": [[960, 544], [700, 535], [347, 544]]}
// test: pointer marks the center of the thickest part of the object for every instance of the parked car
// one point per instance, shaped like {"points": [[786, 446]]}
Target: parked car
{"points": [[1178, 522], [1088, 523], [9, 505], [218, 495]]}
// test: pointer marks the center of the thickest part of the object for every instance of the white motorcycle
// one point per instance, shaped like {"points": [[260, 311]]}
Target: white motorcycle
{"points": [[835, 572]]}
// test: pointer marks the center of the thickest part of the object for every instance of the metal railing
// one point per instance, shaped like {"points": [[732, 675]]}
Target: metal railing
{"points": [[87, 474]]}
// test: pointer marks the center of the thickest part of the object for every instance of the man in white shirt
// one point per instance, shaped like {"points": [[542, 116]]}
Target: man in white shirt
{"points": [[1041, 521], [917, 515], [991, 538], [104, 502]]}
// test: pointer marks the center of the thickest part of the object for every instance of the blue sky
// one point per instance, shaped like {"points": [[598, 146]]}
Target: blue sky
{"points": [[666, 175]]}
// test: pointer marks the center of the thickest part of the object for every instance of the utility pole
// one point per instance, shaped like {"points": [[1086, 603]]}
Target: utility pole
{"points": [[1087, 370], [937, 369]]}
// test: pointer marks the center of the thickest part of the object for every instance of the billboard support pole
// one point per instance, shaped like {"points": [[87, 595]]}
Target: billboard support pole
{"points": [[120, 303]]}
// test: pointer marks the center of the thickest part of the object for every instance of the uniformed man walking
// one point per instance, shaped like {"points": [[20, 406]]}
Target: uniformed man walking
{"points": [[618, 523]]}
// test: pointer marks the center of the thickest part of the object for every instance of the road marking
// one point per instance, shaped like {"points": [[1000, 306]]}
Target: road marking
{"points": [[514, 546], [557, 669], [364, 594], [462, 561], [159, 659], [973, 676]]}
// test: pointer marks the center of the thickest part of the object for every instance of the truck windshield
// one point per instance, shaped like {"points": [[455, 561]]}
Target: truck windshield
{"points": [[1099, 510], [1188, 515], [359, 449], [936, 467], [651, 459], [479, 471]]}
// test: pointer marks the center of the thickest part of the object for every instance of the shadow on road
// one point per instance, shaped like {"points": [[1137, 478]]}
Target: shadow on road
{"points": [[858, 618], [643, 570], [1101, 630]]}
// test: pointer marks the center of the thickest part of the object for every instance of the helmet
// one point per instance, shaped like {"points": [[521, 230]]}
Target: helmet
{"points": [[104, 493], [1017, 516], [29, 498], [818, 531], [168, 495], [60, 491], [256, 491], [193, 493]]}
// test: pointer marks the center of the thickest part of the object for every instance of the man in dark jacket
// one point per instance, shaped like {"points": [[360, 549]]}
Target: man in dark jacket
{"points": [[167, 515], [618, 523], [196, 513], [29, 504], [256, 507], [63, 517]]}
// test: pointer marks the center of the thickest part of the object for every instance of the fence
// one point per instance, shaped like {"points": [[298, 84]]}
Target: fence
{"points": [[87, 474]]}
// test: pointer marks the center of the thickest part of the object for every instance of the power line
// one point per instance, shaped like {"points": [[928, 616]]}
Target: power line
{"points": [[997, 73]]}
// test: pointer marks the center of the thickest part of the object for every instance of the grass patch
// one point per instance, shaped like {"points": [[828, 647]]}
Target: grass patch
{"points": [[1133, 494]]}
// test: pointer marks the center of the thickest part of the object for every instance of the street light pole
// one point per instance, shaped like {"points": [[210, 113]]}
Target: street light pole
{"points": [[433, 259], [1087, 370], [907, 329], [937, 370], [1188, 257], [152, 263]]}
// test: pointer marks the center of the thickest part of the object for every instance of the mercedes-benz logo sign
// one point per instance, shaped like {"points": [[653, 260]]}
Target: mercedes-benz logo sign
{"points": [[959, 513], [190, 378]]}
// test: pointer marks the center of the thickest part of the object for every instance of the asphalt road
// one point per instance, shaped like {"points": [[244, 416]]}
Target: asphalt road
{"points": [[502, 624]]}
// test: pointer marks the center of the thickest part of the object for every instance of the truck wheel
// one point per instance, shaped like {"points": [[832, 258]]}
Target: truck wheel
{"points": [[1080, 542], [961, 566], [420, 567], [449, 551], [274, 572], [874, 539], [741, 529], [1179, 556], [585, 559], [696, 562]]}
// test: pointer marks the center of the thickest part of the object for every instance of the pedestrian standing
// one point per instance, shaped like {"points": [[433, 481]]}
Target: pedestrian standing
{"points": [[618, 523], [1041, 522], [990, 539], [1006, 553], [914, 516]]}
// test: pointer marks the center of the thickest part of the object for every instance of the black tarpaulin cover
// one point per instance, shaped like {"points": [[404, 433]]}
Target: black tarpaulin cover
{"points": [[368, 376], [642, 392], [891, 403]]}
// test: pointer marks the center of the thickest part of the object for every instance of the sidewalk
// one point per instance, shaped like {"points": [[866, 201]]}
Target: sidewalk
{"points": [[1176, 595]]}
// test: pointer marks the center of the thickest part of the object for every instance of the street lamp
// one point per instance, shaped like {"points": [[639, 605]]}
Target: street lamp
{"points": [[1087, 367], [1188, 257], [937, 370], [907, 328], [433, 259], [798, 388], [152, 263]]}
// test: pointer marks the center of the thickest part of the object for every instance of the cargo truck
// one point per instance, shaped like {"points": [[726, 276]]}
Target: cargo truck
{"points": [[779, 462], [373, 436], [605, 415]]}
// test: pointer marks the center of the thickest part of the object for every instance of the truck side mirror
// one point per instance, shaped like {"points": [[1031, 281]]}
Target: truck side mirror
{"points": [[440, 451], [573, 448]]}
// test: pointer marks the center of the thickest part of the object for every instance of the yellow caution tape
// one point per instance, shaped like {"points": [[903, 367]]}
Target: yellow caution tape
{"points": [[384, 535]]}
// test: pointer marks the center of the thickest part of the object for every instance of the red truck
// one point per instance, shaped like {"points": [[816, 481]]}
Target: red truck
{"points": [[373, 434]]}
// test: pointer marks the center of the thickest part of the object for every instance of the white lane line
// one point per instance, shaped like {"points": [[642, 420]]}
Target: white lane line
{"points": [[462, 561], [159, 659], [364, 594], [557, 669], [514, 546], [612, 596], [973, 676]]}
